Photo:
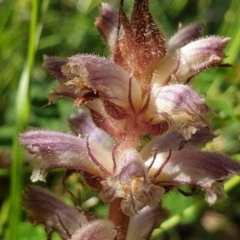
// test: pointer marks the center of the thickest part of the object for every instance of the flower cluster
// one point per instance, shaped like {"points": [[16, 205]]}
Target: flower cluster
{"points": [[140, 124]]}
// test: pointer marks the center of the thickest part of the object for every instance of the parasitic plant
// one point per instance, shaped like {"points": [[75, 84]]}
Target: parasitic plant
{"points": [[139, 129]]}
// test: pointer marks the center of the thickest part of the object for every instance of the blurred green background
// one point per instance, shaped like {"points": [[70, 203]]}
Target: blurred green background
{"points": [[30, 29]]}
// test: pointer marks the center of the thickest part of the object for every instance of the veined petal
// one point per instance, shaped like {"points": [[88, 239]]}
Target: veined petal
{"points": [[131, 185], [103, 119], [87, 77], [185, 35], [53, 66], [82, 124], [195, 168], [107, 24], [175, 141], [200, 55], [102, 78], [43, 207], [59, 150], [148, 218], [180, 105], [96, 230]]}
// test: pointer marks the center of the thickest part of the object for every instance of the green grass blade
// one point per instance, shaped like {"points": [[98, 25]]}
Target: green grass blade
{"points": [[21, 116]]}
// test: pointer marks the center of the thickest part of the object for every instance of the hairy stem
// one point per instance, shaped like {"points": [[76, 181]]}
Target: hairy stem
{"points": [[118, 218]]}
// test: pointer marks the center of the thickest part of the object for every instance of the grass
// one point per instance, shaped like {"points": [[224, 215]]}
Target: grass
{"points": [[30, 29]]}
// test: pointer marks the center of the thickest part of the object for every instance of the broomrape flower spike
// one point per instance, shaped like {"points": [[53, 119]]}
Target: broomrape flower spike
{"points": [[140, 90]]}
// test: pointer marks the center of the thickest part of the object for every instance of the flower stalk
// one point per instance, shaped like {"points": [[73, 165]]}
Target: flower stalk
{"points": [[120, 220]]}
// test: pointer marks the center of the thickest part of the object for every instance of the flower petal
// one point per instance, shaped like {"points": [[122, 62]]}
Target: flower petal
{"points": [[96, 230], [185, 35], [200, 55], [59, 150], [175, 141], [107, 24], [131, 185], [163, 69], [195, 168], [53, 66], [100, 115], [45, 208], [102, 78], [87, 77], [148, 218], [82, 123], [180, 105]]}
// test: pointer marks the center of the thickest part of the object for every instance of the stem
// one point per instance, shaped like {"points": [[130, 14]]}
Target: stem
{"points": [[118, 218]]}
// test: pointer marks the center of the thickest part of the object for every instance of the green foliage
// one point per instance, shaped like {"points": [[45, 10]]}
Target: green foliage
{"points": [[30, 29]]}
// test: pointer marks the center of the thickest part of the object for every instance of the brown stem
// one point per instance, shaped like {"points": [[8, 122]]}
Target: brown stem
{"points": [[118, 218]]}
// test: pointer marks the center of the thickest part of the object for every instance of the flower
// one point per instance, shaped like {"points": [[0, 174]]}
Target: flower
{"points": [[46, 208], [141, 91], [139, 178]]}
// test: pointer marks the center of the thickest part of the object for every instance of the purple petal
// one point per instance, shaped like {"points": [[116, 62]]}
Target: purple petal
{"points": [[180, 105], [45, 208], [87, 77], [59, 150], [82, 123], [103, 119], [107, 24], [202, 169], [175, 141], [96, 230], [102, 78], [131, 184], [200, 55], [185, 35], [53, 65], [148, 218]]}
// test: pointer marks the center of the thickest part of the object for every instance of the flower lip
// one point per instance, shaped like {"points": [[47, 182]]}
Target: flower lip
{"points": [[96, 230], [195, 168], [199, 55], [59, 150], [180, 106], [87, 77], [83, 125], [185, 35], [197, 164], [106, 24], [175, 141], [44, 207], [53, 66]]}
